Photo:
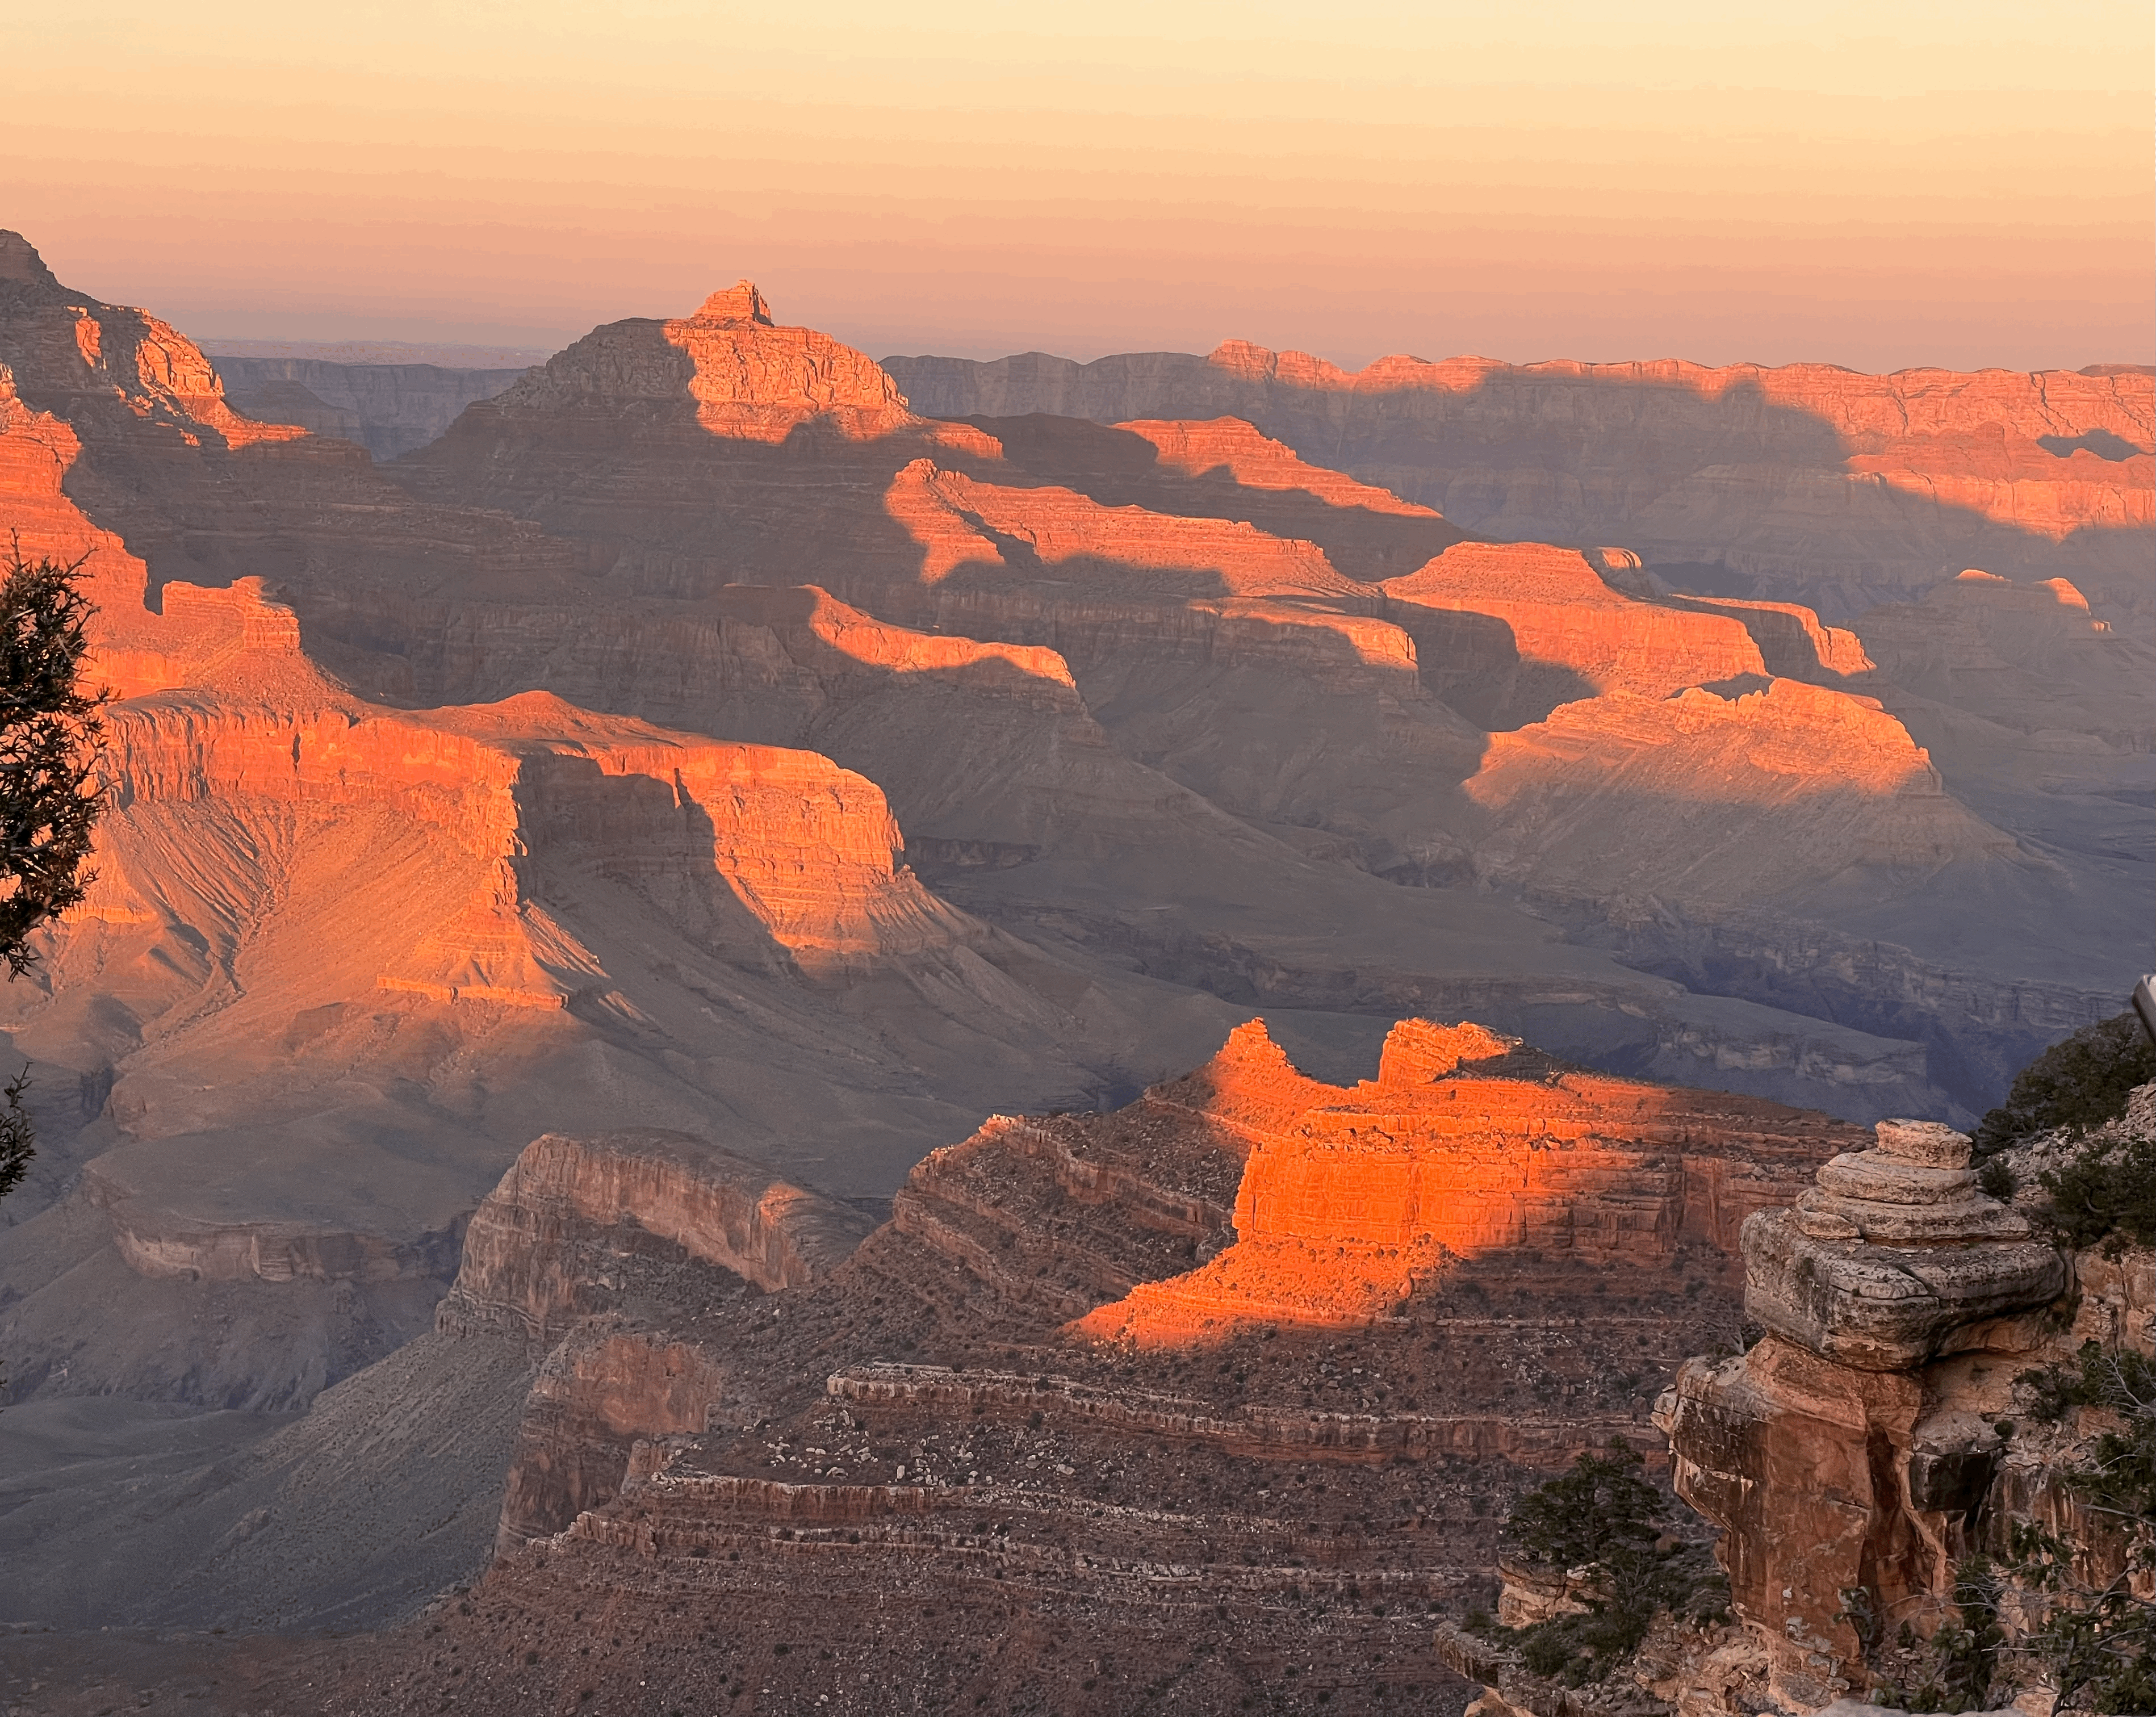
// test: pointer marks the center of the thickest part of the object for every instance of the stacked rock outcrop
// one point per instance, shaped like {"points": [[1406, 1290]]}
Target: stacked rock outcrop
{"points": [[1848, 1455]]}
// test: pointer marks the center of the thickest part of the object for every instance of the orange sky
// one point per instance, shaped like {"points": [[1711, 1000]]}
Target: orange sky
{"points": [[1961, 184]]}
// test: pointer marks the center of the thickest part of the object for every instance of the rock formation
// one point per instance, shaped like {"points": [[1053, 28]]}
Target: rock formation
{"points": [[524, 1273], [1849, 1455], [1510, 630], [1295, 707], [917, 1463], [1346, 1205], [698, 741], [404, 940], [1761, 789], [729, 370]]}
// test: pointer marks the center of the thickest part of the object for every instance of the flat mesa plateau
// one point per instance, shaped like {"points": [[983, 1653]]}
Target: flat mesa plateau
{"points": [[794, 1033]]}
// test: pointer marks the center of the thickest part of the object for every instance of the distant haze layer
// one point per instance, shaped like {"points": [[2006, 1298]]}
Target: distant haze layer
{"points": [[1877, 186]]}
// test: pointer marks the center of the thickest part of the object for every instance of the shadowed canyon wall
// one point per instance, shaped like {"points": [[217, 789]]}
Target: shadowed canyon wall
{"points": [[387, 408]]}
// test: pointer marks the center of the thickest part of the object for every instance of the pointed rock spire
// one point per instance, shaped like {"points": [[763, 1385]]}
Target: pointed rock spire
{"points": [[740, 302], [20, 264]]}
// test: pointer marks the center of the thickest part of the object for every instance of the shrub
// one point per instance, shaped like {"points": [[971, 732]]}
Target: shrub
{"points": [[2076, 1084], [2110, 1188], [1603, 1516], [2099, 1644]]}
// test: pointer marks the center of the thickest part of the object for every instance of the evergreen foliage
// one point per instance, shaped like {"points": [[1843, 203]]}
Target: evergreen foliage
{"points": [[51, 742], [18, 1142], [50, 745], [2097, 1644], [2107, 1190], [2076, 1084], [1603, 1517]]}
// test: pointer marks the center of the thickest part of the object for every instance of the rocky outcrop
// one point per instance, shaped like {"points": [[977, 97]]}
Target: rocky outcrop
{"points": [[911, 1448], [1893, 1254], [581, 1236], [1505, 630], [1067, 536], [1753, 790], [106, 359], [730, 370], [1850, 1453], [1224, 468], [1346, 1207], [538, 1248]]}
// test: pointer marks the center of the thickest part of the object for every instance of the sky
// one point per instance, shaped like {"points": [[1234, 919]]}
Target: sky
{"points": [[1879, 185]]}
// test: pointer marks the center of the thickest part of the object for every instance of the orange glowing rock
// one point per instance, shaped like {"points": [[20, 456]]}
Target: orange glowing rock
{"points": [[1548, 609], [1237, 452], [1352, 1200], [959, 519]]}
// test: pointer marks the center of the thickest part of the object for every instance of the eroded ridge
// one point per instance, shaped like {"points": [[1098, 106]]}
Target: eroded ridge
{"points": [[926, 1470]]}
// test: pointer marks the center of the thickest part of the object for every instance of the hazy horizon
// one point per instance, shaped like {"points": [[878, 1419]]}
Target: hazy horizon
{"points": [[1893, 187]]}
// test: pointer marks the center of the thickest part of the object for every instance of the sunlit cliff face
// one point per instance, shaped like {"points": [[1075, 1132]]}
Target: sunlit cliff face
{"points": [[1354, 1201]]}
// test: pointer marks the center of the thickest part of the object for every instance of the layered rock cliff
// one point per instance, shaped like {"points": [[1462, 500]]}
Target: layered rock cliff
{"points": [[1220, 608], [1508, 631], [1864, 1457], [1349, 1203], [403, 939], [971, 1495]]}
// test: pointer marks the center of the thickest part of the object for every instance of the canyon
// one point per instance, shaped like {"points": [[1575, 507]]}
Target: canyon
{"points": [[1097, 1401], [1808, 482], [387, 408], [571, 875]]}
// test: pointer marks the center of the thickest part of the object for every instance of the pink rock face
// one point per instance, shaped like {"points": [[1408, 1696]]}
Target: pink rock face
{"points": [[1067, 535], [1229, 449], [258, 722], [73, 351], [744, 376], [37, 451], [1792, 640], [1746, 793]]}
